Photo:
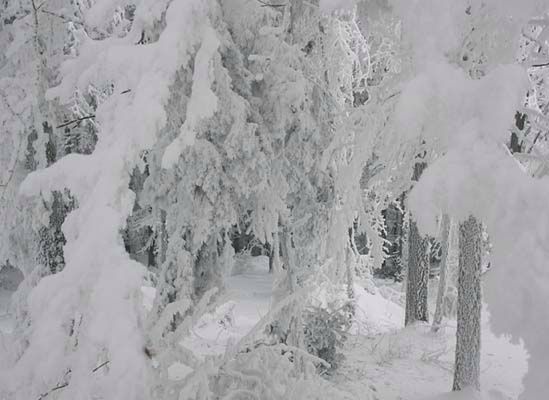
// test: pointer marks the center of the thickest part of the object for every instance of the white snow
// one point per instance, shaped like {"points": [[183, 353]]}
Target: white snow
{"points": [[99, 280], [6, 321], [149, 293], [334, 5], [203, 101], [248, 297], [396, 363], [178, 371], [416, 364], [375, 314], [469, 121], [96, 308]]}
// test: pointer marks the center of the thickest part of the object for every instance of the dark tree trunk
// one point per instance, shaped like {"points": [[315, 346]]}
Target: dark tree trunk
{"points": [[418, 268], [445, 243], [467, 367], [394, 231], [418, 277]]}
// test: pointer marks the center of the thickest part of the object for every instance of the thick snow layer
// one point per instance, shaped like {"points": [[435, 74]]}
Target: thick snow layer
{"points": [[375, 314], [447, 108], [99, 290], [203, 102], [104, 286], [149, 294], [415, 364]]}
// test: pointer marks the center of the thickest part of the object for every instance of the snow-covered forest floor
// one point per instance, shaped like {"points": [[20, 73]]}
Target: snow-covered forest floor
{"points": [[380, 355], [415, 364], [247, 300]]}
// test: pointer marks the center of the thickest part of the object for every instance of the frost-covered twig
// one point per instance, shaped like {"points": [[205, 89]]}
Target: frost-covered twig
{"points": [[77, 120], [543, 65], [60, 386], [63, 17], [265, 4], [100, 366], [66, 383]]}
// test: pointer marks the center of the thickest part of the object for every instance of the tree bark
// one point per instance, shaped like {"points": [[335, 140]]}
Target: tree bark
{"points": [[418, 278], [437, 319], [418, 269], [467, 364], [296, 12]]}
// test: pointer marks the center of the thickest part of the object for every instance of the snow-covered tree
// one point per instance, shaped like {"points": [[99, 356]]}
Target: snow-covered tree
{"points": [[475, 165]]}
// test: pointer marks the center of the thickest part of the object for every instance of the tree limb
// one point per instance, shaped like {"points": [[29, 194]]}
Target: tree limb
{"points": [[540, 65], [61, 16], [100, 366], [265, 4], [61, 386], [65, 384], [74, 121]]}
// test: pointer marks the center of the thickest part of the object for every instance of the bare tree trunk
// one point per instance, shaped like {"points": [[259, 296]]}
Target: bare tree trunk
{"points": [[295, 323], [287, 258], [296, 12], [418, 278], [467, 366], [437, 320], [352, 256], [418, 269]]}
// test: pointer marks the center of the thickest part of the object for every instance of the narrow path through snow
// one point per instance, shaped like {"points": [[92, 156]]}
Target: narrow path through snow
{"points": [[248, 294]]}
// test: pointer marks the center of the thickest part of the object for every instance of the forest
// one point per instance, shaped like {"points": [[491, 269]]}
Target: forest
{"points": [[274, 199]]}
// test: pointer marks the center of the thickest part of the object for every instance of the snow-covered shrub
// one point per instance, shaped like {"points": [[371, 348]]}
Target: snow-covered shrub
{"points": [[325, 331], [265, 364], [266, 372], [389, 348]]}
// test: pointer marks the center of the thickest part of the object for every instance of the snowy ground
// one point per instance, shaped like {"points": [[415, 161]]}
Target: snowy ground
{"points": [[381, 356], [248, 296], [416, 364], [395, 363]]}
